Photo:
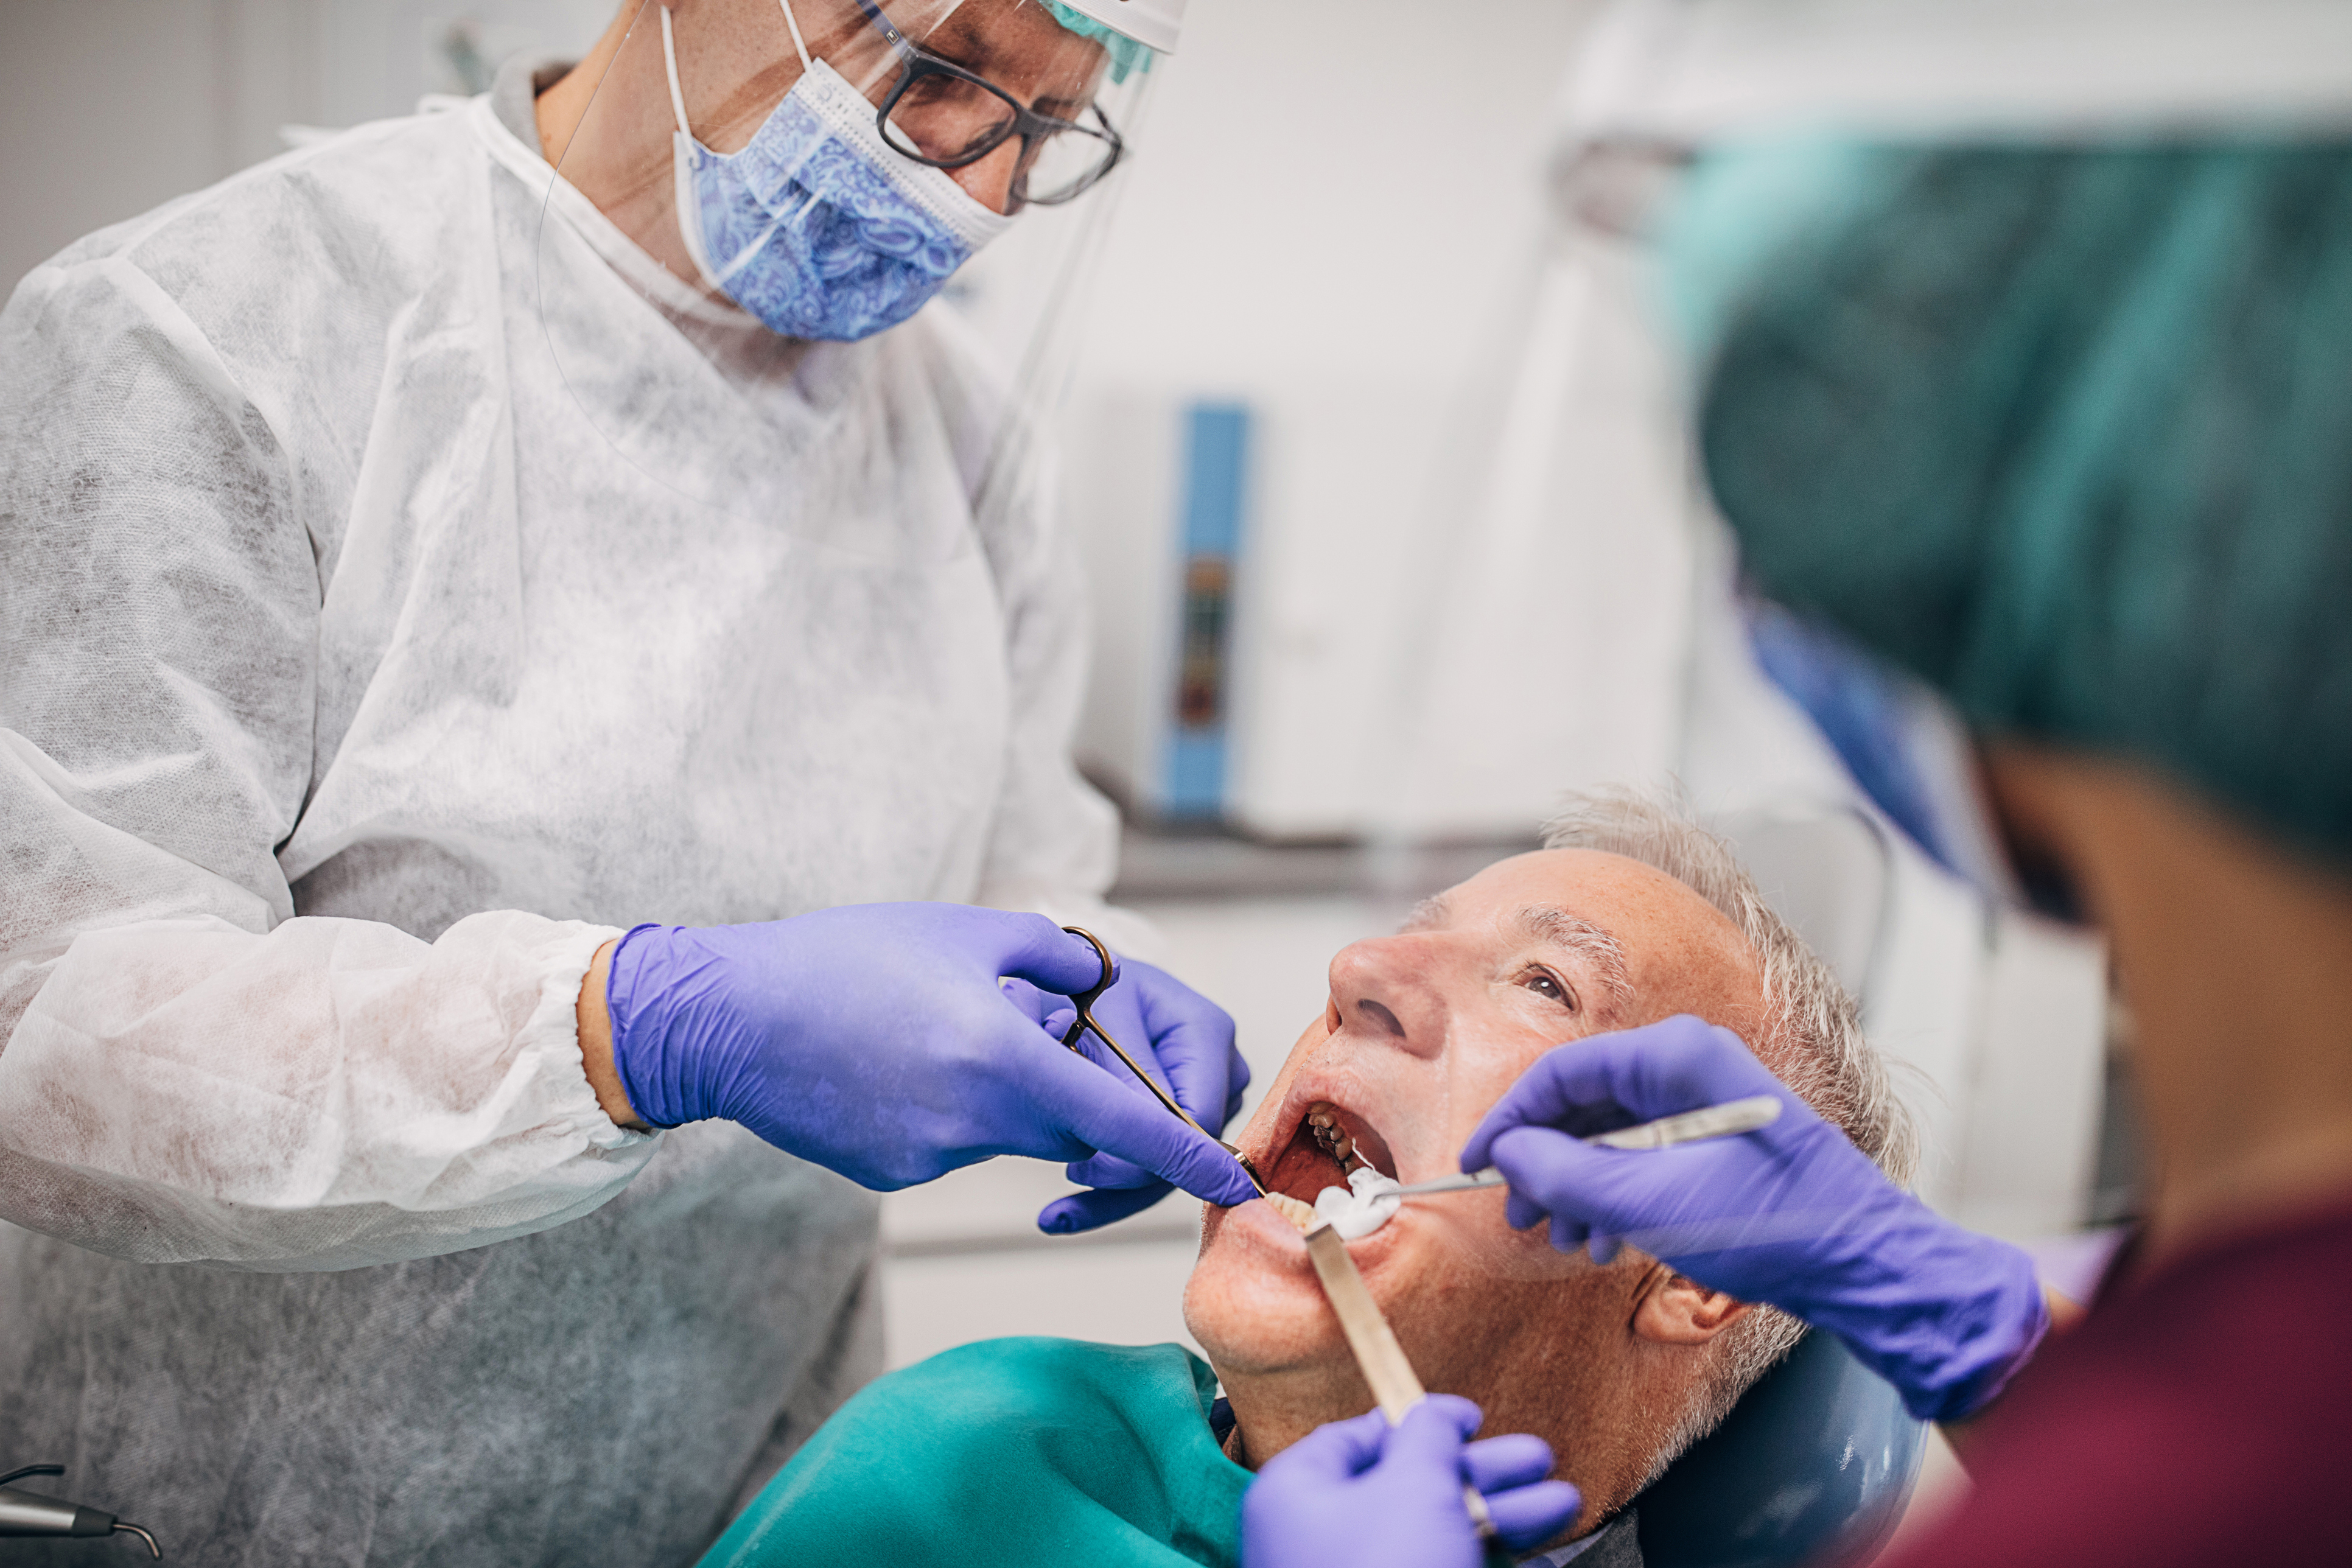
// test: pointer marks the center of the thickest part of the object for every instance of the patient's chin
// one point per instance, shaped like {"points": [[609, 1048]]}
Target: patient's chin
{"points": [[1255, 1345], [1255, 1322]]}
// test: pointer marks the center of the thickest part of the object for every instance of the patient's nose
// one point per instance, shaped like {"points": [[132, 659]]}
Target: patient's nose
{"points": [[1386, 991]]}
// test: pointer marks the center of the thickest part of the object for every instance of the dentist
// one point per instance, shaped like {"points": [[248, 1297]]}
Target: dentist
{"points": [[535, 688]]}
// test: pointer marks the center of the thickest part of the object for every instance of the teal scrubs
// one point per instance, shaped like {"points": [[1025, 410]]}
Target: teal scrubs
{"points": [[1008, 1454]]}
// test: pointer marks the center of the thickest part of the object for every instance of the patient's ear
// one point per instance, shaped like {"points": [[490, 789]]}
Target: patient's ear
{"points": [[1675, 1310]]}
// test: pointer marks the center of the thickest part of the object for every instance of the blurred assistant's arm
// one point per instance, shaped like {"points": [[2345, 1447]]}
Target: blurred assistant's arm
{"points": [[1964, 1433], [189, 1073]]}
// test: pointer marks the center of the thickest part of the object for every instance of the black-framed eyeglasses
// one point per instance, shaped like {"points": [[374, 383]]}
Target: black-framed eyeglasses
{"points": [[942, 115]]}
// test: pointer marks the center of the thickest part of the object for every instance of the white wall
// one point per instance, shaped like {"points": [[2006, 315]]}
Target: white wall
{"points": [[111, 107], [108, 107], [1331, 191], [377, 56]]}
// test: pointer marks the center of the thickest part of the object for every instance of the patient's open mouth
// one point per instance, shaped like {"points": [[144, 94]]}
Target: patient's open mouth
{"points": [[1329, 1142]]}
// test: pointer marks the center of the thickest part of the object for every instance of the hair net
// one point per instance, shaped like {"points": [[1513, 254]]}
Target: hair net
{"points": [[2067, 432], [1126, 56]]}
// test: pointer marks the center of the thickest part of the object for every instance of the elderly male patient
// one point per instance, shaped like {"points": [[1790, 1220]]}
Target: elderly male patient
{"points": [[1046, 1451]]}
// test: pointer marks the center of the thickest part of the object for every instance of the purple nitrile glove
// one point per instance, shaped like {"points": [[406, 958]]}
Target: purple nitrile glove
{"points": [[874, 1040], [1792, 1214], [1363, 1494], [1184, 1039]]}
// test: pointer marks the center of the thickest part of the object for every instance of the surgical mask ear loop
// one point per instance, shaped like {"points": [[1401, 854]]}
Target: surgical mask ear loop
{"points": [[684, 150], [794, 23], [683, 154]]}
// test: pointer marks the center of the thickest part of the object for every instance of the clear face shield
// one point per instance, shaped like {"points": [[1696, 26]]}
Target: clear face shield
{"points": [[771, 177]]}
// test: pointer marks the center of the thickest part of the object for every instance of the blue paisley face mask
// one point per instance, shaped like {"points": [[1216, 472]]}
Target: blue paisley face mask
{"points": [[817, 228]]}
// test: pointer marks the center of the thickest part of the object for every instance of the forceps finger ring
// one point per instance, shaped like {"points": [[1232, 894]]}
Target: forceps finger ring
{"points": [[1080, 1026]]}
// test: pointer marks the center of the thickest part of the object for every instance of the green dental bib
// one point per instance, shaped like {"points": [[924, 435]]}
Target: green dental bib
{"points": [[1018, 1453]]}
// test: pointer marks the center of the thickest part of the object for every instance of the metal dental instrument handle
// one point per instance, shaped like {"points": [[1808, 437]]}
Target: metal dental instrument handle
{"points": [[24, 1513], [1728, 1119], [1395, 1386], [1085, 1000]]}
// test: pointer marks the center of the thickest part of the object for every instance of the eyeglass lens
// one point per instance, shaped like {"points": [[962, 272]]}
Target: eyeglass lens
{"points": [[948, 121]]}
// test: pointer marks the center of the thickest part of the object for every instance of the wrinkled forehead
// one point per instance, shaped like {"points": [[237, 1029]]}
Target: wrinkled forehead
{"points": [[1661, 948]]}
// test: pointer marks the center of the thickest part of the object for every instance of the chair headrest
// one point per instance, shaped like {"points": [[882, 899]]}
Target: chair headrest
{"points": [[1812, 1466]]}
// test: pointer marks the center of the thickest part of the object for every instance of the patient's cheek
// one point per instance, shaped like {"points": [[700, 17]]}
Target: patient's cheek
{"points": [[1479, 1242]]}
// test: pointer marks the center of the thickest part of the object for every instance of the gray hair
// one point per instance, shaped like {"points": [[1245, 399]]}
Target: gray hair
{"points": [[1812, 1040]]}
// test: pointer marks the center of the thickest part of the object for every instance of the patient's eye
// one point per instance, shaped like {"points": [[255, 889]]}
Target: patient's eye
{"points": [[1549, 986]]}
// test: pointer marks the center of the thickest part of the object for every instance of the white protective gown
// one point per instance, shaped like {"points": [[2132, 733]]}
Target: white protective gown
{"points": [[330, 618]]}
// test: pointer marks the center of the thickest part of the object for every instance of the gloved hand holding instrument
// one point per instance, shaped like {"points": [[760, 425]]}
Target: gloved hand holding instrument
{"points": [[1369, 1494], [1191, 1051], [875, 1040], [1791, 1214]]}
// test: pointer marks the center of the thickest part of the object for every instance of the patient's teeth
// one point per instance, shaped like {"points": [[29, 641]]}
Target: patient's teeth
{"points": [[1301, 1216]]}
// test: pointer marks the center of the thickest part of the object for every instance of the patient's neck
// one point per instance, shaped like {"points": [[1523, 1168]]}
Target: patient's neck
{"points": [[1601, 1399], [1272, 1411]]}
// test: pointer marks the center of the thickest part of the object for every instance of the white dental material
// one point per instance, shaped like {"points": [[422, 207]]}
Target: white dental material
{"points": [[1360, 1208], [1374, 1198]]}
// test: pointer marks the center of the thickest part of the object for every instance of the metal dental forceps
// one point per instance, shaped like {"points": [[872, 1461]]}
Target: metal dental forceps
{"points": [[25, 1513], [1085, 1001]]}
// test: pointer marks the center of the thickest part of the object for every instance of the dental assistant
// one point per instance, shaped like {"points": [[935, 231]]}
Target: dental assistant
{"points": [[2049, 404], [534, 718], [2066, 430]]}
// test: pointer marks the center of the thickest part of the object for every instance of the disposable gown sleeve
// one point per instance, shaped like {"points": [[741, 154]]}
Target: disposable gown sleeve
{"points": [[189, 1073]]}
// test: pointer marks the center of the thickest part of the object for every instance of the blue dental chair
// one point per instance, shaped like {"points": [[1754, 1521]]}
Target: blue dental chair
{"points": [[1815, 1463], [1813, 1466]]}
